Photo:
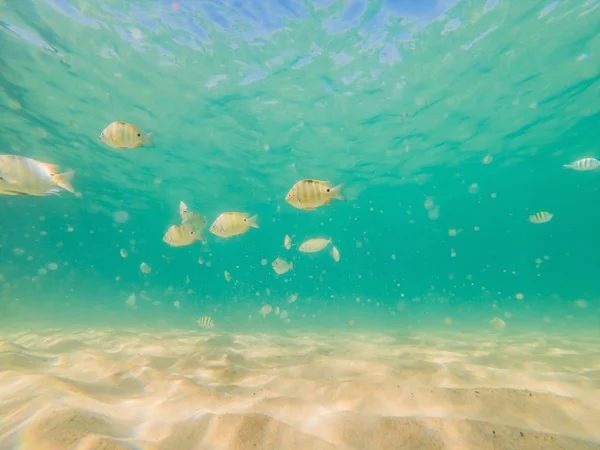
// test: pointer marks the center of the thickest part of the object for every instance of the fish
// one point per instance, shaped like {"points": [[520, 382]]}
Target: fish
{"points": [[310, 194], [194, 219], [205, 322], [287, 242], [541, 217], [231, 224], [335, 253], [125, 135], [281, 266], [22, 176], [227, 276], [314, 245], [584, 164], [180, 235]]}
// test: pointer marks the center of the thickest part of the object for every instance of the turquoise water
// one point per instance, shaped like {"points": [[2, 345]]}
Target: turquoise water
{"points": [[436, 116]]}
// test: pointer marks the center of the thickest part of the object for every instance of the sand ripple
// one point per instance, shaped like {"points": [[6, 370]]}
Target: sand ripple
{"points": [[178, 390]]}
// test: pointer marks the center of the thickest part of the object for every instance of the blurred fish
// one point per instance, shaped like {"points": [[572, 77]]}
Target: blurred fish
{"points": [[281, 266], [292, 298], [227, 276], [310, 194], [205, 322], [179, 235], [584, 164], [287, 242], [194, 219], [314, 245], [231, 224], [125, 135], [335, 253], [25, 176], [541, 217]]}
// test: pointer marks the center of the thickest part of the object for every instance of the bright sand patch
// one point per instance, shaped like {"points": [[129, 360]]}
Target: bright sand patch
{"points": [[178, 390]]}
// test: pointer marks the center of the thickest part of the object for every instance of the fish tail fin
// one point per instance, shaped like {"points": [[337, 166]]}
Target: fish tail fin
{"points": [[337, 192], [569, 166], [252, 221], [291, 266], [148, 140], [65, 180]]}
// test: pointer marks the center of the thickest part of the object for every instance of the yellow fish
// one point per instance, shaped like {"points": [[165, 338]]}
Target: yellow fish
{"points": [[335, 253], [281, 266], [194, 219], [314, 245], [180, 235], [205, 322], [25, 176], [287, 242], [310, 194], [541, 217], [231, 224], [125, 135]]}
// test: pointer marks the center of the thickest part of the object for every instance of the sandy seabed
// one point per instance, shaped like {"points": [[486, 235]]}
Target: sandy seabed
{"points": [[178, 390]]}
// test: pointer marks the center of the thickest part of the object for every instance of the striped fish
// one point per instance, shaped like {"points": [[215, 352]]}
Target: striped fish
{"points": [[310, 194], [180, 235], [231, 224], [25, 176], [541, 217], [205, 322], [584, 164], [125, 135]]}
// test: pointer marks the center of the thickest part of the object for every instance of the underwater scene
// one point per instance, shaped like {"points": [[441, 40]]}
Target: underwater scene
{"points": [[299, 224]]}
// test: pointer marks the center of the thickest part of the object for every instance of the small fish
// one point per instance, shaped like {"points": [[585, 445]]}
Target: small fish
{"points": [[231, 224], [125, 135], [205, 322], [287, 242], [335, 253], [25, 176], [541, 217], [227, 276], [310, 194], [179, 235], [584, 164], [194, 219], [314, 245], [281, 266]]}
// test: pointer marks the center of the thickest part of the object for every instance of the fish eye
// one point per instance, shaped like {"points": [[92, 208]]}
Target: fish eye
{"points": [[328, 190], [139, 134]]}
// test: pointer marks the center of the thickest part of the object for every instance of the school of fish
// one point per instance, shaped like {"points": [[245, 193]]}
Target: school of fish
{"points": [[23, 176]]}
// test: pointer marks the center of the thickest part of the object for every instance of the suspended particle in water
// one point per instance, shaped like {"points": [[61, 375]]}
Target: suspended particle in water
{"points": [[393, 257], [581, 304], [452, 253], [476, 228], [474, 188], [145, 268], [121, 216], [283, 314], [136, 34], [493, 195], [507, 315], [448, 321], [277, 311], [13, 104], [42, 271], [175, 6], [70, 229], [519, 296], [452, 232], [227, 276], [351, 322], [176, 304], [18, 251], [487, 159], [208, 264], [52, 266], [124, 253], [263, 262], [266, 147], [200, 260]]}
